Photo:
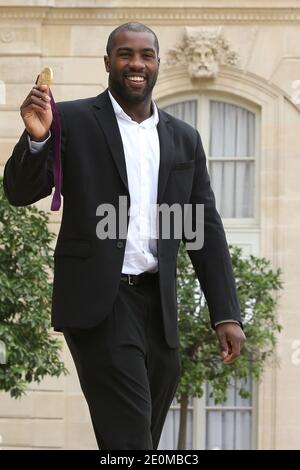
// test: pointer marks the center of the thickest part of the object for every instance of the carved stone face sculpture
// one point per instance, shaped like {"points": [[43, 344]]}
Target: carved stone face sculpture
{"points": [[203, 61], [202, 51]]}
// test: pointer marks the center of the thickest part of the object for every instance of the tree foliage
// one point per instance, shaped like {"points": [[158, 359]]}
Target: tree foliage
{"points": [[25, 298], [257, 285]]}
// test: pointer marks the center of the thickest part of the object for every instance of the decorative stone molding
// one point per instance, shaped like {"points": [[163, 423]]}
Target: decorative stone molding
{"points": [[202, 50], [7, 35], [230, 80], [18, 39], [161, 16]]}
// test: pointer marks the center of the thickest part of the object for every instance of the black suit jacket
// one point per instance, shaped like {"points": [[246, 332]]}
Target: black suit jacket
{"points": [[87, 269]]}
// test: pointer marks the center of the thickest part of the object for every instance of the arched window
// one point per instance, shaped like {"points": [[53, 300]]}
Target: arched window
{"points": [[229, 132]]}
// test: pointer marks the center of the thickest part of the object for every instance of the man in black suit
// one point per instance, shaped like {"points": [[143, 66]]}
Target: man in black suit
{"points": [[114, 297]]}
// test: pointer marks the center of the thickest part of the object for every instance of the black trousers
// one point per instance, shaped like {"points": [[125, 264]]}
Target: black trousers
{"points": [[127, 372]]}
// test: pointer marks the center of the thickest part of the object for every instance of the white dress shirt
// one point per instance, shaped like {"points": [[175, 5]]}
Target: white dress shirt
{"points": [[141, 149]]}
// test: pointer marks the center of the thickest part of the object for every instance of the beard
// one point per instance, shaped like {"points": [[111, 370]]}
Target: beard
{"points": [[118, 84]]}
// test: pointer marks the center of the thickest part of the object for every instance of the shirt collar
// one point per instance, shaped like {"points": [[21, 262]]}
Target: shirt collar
{"points": [[148, 123]]}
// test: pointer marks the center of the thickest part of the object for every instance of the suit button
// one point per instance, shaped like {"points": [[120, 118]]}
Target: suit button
{"points": [[120, 244]]}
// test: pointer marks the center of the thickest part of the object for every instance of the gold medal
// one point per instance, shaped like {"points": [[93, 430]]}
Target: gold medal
{"points": [[45, 77]]}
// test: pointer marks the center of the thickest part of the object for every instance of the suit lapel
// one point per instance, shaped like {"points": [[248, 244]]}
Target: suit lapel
{"points": [[166, 143], [106, 118]]}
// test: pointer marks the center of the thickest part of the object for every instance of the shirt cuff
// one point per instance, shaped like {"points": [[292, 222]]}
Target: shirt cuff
{"points": [[227, 321], [36, 147]]}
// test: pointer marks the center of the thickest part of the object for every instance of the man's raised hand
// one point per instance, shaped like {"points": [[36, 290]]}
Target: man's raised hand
{"points": [[36, 113]]}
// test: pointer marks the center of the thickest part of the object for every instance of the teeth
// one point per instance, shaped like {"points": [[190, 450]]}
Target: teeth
{"points": [[136, 79]]}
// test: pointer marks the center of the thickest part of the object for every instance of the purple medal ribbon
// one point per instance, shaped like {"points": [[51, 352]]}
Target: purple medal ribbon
{"points": [[57, 170]]}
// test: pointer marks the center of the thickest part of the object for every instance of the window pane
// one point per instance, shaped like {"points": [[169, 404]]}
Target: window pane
{"points": [[229, 425], [228, 430], [243, 430], [232, 135], [187, 111], [233, 185], [169, 437], [232, 131], [214, 430]]}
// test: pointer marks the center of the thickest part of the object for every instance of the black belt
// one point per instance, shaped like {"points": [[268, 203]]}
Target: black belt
{"points": [[136, 279]]}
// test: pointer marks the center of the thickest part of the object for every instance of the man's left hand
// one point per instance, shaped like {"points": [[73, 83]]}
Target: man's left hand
{"points": [[231, 338]]}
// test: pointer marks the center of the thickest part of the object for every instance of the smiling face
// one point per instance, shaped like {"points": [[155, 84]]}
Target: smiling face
{"points": [[132, 65]]}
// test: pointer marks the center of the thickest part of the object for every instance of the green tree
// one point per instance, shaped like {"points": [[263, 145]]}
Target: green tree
{"points": [[199, 348], [25, 298]]}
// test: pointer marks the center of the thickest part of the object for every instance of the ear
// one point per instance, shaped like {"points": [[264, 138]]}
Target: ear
{"points": [[107, 63]]}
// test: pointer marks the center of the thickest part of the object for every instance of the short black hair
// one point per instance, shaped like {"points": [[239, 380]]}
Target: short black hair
{"points": [[131, 26]]}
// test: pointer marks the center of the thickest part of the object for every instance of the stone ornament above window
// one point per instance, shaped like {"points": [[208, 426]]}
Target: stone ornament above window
{"points": [[202, 50]]}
